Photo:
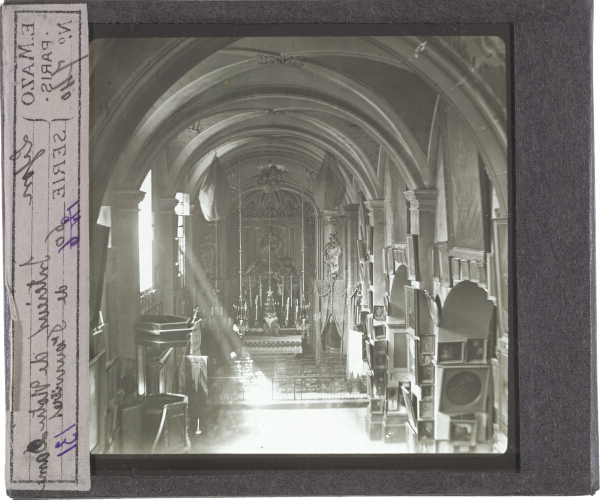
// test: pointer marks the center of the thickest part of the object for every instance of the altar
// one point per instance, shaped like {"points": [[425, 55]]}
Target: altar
{"points": [[283, 344]]}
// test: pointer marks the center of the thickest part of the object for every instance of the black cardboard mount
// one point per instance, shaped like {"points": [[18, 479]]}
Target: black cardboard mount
{"points": [[552, 244]]}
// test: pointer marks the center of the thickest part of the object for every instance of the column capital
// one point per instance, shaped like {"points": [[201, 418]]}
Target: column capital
{"points": [[352, 209], [376, 211], [167, 205], [422, 199], [331, 213], [127, 199]]}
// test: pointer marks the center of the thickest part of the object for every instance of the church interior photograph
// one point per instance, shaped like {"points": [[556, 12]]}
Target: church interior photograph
{"points": [[299, 245]]}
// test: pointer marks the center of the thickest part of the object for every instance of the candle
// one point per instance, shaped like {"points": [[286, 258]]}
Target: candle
{"points": [[250, 283], [260, 291]]}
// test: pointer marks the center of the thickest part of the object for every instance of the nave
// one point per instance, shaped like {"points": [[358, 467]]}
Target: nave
{"points": [[302, 247]]}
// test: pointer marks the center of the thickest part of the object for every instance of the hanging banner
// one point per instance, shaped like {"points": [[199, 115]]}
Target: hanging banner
{"points": [[215, 194], [328, 189]]}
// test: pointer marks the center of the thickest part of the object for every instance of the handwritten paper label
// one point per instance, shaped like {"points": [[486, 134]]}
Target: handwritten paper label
{"points": [[46, 252]]}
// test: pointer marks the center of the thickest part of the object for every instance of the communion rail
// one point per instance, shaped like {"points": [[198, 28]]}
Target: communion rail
{"points": [[302, 388]]}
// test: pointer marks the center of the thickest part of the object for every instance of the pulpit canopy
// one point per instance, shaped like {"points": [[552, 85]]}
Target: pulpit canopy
{"points": [[215, 194]]}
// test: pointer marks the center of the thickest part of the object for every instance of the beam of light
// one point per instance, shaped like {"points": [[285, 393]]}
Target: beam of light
{"points": [[203, 295]]}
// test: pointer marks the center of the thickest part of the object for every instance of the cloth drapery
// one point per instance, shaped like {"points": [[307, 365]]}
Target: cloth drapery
{"points": [[215, 194], [328, 189]]}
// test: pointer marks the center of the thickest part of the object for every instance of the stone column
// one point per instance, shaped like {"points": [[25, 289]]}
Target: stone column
{"points": [[377, 220], [165, 224], [125, 241], [189, 248], [422, 223]]}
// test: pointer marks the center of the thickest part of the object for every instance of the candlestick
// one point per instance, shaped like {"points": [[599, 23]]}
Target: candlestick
{"points": [[250, 284]]}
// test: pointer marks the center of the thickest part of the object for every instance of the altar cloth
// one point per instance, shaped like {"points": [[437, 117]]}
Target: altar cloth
{"points": [[259, 344]]}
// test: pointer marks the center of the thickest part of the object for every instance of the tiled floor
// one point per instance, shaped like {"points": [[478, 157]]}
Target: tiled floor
{"points": [[304, 431]]}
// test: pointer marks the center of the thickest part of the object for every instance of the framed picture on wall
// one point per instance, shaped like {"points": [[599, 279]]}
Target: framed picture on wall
{"points": [[450, 352], [427, 392], [379, 360], [393, 403], [464, 389], [426, 374], [381, 346], [476, 351], [426, 429], [379, 331], [377, 405], [425, 359], [379, 313], [412, 324], [411, 254], [463, 432], [425, 410], [381, 377], [427, 344]]}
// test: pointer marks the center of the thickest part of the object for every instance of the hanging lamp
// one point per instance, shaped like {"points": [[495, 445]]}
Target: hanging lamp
{"points": [[304, 317], [271, 321], [241, 325]]}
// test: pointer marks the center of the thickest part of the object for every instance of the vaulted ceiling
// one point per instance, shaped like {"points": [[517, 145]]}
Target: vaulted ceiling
{"points": [[288, 101]]}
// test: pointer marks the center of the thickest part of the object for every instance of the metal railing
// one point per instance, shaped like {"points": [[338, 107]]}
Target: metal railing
{"points": [[150, 303], [300, 388]]}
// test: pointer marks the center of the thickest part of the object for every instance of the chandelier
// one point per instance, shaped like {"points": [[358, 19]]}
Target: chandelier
{"points": [[270, 177]]}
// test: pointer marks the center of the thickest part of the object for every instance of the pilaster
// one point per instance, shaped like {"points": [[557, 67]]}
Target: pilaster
{"points": [[422, 223], [376, 210], [351, 251], [125, 242], [164, 254]]}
